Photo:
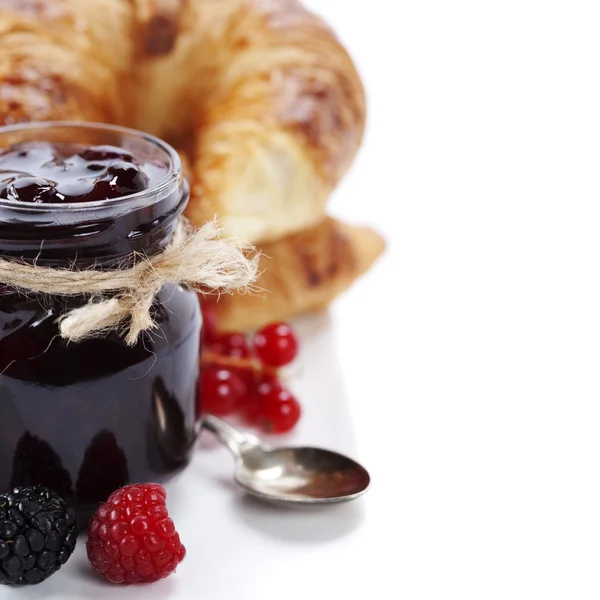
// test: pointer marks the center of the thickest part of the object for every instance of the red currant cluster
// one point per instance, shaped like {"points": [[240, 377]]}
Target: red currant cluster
{"points": [[242, 376]]}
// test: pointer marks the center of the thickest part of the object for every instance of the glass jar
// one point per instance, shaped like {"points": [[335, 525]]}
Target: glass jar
{"points": [[86, 418]]}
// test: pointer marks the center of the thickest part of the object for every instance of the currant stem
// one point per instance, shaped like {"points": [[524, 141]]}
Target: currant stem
{"points": [[249, 364]]}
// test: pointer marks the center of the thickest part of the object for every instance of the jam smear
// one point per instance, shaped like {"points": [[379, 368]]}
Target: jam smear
{"points": [[61, 173]]}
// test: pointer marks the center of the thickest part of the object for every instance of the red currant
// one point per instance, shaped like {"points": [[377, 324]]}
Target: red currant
{"points": [[234, 345], [222, 391], [265, 385], [277, 411], [276, 344], [233, 381]]}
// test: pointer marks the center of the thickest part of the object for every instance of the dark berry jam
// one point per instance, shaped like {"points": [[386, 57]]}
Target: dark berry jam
{"points": [[86, 418], [44, 172]]}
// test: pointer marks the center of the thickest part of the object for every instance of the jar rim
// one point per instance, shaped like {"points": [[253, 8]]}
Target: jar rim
{"points": [[173, 175]]}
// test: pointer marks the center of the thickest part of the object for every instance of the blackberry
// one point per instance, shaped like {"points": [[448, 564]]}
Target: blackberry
{"points": [[37, 534]]}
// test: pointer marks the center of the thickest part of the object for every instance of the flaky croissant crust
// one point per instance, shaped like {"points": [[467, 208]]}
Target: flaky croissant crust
{"points": [[301, 272], [261, 92]]}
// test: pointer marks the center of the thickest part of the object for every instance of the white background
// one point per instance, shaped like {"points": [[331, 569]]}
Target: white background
{"points": [[463, 370]]}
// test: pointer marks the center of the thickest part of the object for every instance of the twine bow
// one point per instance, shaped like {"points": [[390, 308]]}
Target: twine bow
{"points": [[204, 260]]}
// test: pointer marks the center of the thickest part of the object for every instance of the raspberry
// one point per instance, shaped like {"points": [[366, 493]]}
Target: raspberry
{"points": [[37, 535], [131, 537]]}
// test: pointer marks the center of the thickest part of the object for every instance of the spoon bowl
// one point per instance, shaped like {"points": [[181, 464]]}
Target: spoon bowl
{"points": [[291, 476], [301, 475]]}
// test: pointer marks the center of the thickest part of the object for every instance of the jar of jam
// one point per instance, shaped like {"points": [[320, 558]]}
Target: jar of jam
{"points": [[86, 418]]}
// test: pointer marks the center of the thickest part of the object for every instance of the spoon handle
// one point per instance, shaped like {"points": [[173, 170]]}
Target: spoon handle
{"points": [[237, 441]]}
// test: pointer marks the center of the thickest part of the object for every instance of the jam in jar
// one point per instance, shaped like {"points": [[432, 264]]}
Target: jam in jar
{"points": [[86, 418]]}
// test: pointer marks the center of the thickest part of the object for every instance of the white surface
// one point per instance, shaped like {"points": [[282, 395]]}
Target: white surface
{"points": [[465, 365]]}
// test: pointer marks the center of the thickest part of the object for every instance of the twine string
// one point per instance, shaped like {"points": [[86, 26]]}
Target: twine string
{"points": [[203, 259]]}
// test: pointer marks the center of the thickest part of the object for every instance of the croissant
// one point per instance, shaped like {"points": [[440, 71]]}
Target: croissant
{"points": [[278, 108], [259, 93], [320, 263]]}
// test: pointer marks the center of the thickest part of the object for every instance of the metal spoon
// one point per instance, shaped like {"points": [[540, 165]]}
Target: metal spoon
{"points": [[290, 476]]}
